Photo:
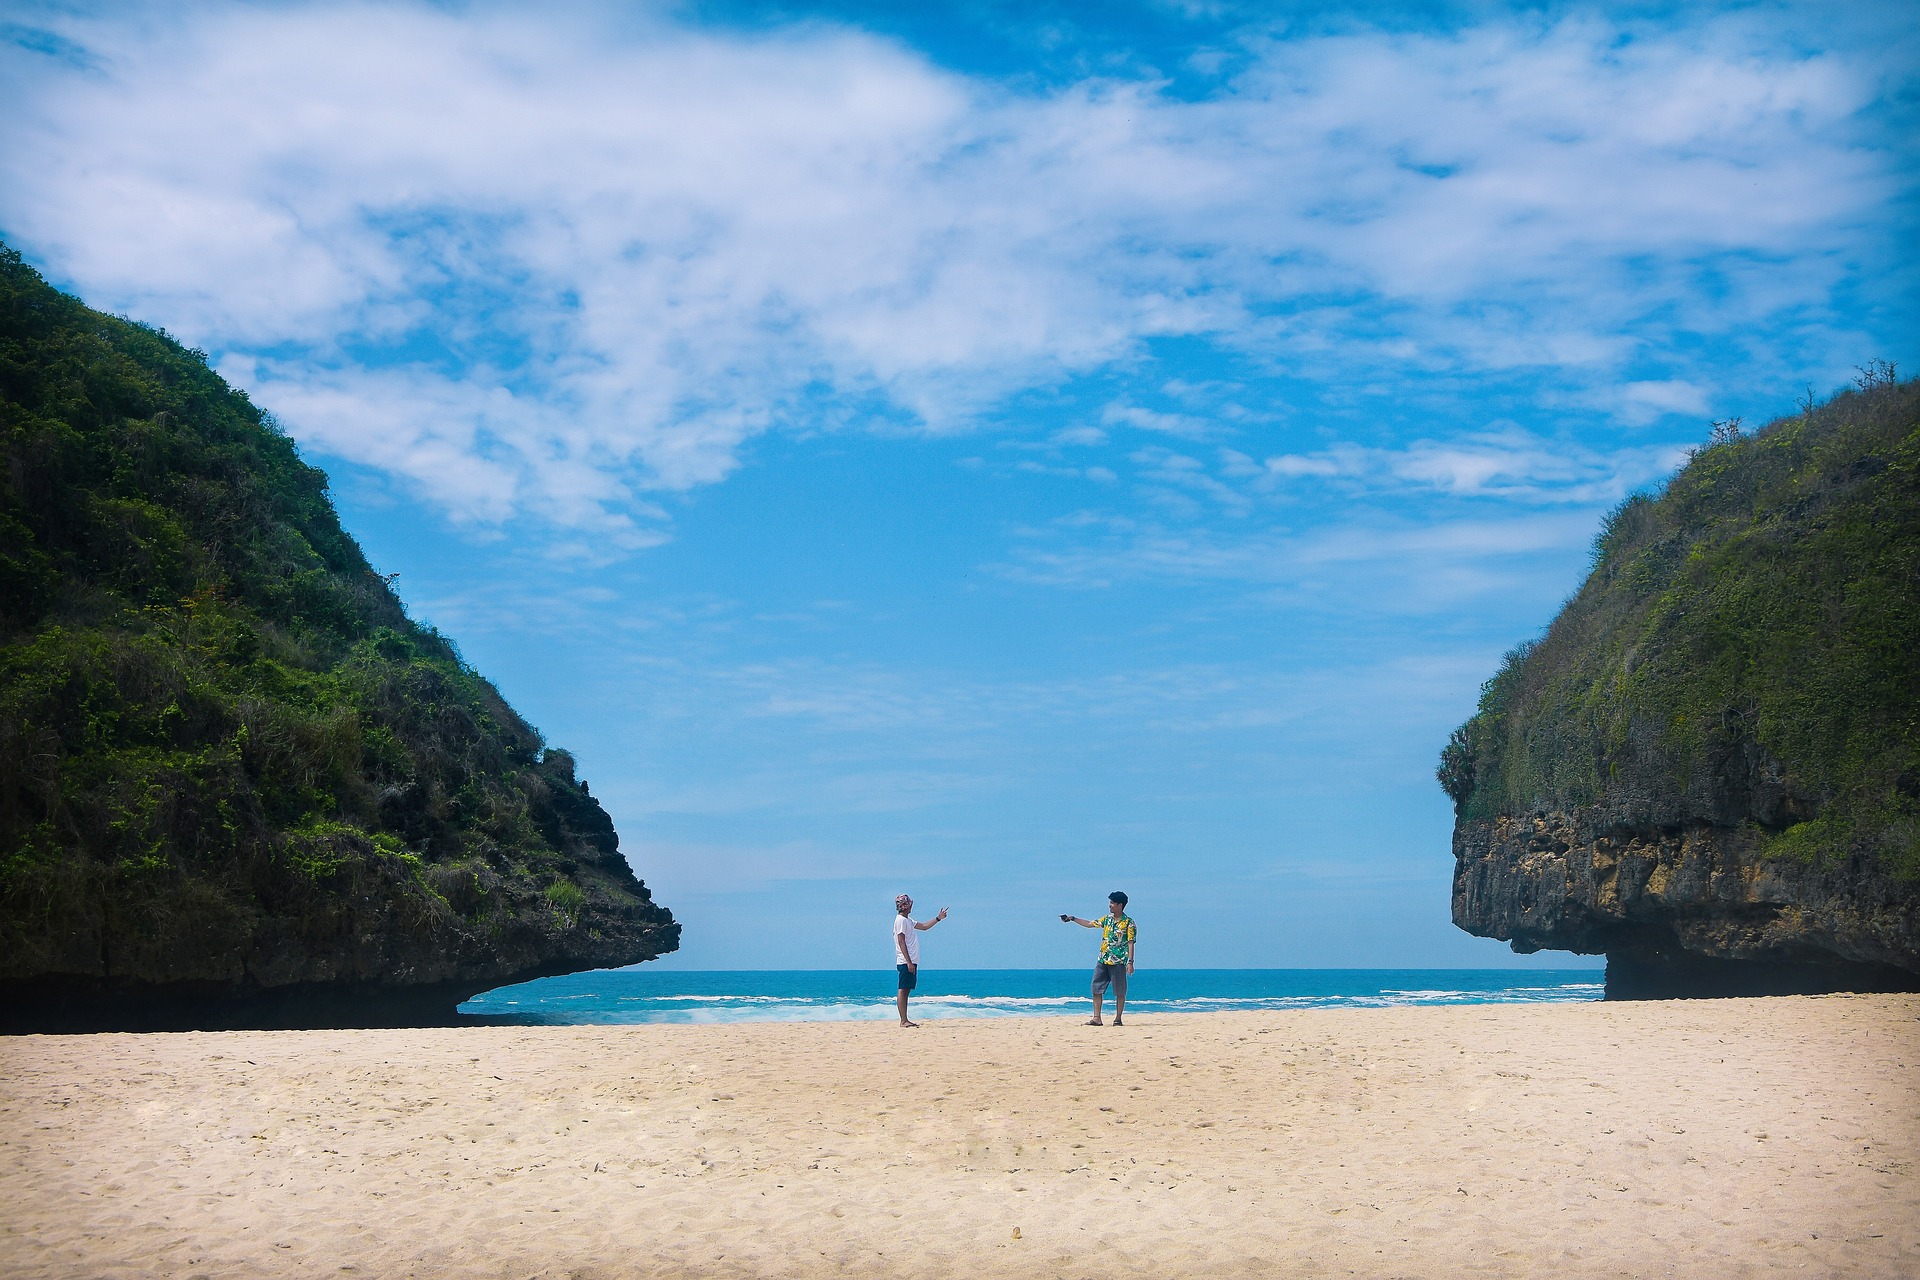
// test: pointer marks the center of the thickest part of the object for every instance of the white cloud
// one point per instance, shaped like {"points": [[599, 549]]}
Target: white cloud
{"points": [[1173, 424], [1179, 472], [1363, 567], [1642, 401], [536, 264], [1509, 464], [1337, 461]]}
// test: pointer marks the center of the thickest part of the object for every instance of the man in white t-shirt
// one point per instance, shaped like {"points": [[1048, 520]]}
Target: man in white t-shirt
{"points": [[906, 949]]}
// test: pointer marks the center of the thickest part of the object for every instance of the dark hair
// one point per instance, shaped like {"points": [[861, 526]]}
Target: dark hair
{"points": [[1117, 896]]}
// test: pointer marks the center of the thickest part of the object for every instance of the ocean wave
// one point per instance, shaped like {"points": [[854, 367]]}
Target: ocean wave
{"points": [[850, 999]]}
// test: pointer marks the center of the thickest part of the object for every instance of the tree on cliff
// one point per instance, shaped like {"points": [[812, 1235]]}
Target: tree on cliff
{"points": [[229, 763]]}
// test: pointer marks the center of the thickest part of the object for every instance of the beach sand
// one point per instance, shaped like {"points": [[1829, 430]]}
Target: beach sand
{"points": [[1693, 1138]]}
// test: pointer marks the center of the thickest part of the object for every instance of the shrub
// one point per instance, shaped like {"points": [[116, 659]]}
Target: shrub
{"points": [[566, 898]]}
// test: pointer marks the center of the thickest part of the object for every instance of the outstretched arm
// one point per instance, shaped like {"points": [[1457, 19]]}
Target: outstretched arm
{"points": [[928, 924], [1084, 924]]}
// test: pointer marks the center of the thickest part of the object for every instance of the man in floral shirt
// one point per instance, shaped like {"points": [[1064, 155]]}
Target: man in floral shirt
{"points": [[1118, 947]]}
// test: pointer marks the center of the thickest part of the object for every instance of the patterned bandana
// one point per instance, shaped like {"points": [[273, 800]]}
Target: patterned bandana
{"points": [[900, 900]]}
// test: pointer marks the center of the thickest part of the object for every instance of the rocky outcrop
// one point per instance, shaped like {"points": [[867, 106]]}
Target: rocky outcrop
{"points": [[1708, 768], [376, 940], [239, 786], [1695, 911]]}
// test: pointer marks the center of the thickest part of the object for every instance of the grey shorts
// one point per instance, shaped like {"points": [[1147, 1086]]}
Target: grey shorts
{"points": [[1114, 975]]}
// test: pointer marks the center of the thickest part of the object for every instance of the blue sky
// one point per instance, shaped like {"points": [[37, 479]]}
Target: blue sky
{"points": [[1001, 452]]}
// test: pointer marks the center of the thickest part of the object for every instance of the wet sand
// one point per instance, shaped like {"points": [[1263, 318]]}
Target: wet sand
{"points": [[1692, 1138]]}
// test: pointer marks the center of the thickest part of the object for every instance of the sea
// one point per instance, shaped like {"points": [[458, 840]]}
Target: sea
{"points": [[611, 997]]}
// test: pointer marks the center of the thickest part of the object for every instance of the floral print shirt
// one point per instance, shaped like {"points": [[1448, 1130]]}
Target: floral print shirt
{"points": [[1117, 936]]}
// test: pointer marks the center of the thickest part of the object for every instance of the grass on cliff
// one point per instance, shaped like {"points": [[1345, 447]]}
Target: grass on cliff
{"points": [[1745, 650], [202, 681]]}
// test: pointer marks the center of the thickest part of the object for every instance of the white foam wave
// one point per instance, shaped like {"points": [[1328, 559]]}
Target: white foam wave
{"points": [[999, 1000], [716, 999]]}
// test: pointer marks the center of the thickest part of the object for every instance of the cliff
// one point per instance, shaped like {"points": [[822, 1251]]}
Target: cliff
{"points": [[238, 786], [1708, 768]]}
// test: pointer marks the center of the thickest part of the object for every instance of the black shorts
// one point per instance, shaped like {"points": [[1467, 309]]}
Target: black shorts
{"points": [[909, 978], [1115, 974]]}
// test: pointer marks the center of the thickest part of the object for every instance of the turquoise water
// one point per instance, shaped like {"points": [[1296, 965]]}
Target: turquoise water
{"points": [[616, 996]]}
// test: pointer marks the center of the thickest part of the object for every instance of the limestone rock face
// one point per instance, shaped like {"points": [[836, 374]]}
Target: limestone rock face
{"points": [[1691, 911]]}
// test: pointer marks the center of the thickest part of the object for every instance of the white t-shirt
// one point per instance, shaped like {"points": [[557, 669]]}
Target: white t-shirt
{"points": [[903, 927]]}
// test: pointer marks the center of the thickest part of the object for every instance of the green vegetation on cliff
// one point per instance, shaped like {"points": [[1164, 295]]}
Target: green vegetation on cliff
{"points": [[226, 754], [1745, 651]]}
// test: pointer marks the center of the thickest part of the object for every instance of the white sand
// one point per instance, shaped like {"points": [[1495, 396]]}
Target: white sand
{"points": [[1710, 1138]]}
